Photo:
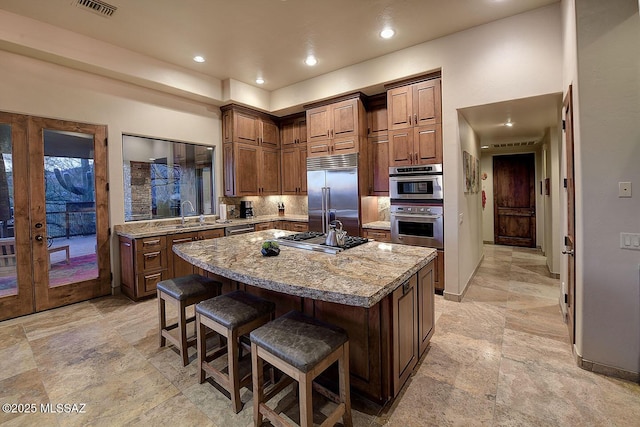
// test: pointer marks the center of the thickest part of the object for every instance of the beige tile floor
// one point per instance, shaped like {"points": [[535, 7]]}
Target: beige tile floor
{"points": [[500, 357]]}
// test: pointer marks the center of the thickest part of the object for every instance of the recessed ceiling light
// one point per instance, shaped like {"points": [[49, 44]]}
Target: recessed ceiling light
{"points": [[311, 60], [508, 124], [387, 33], [484, 147], [260, 80], [198, 58]]}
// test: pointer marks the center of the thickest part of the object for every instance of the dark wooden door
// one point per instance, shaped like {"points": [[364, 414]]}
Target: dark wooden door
{"points": [[514, 200], [570, 238]]}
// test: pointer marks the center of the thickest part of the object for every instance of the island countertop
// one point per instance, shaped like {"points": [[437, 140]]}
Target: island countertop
{"points": [[360, 276]]}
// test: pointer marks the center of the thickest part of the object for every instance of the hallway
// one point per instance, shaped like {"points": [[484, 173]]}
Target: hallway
{"points": [[500, 357]]}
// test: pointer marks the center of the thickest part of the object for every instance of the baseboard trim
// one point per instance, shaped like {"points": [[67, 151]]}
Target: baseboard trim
{"points": [[608, 371], [458, 297]]}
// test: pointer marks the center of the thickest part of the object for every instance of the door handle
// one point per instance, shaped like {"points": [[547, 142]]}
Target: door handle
{"points": [[569, 252], [39, 238], [38, 225]]}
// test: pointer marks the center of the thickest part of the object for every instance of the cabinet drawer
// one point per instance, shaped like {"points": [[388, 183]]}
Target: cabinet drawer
{"points": [[298, 226], [147, 282], [151, 243], [151, 260], [378, 235]]}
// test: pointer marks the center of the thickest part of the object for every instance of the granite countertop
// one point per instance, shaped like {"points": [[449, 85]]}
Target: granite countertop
{"points": [[378, 225], [360, 276], [139, 229]]}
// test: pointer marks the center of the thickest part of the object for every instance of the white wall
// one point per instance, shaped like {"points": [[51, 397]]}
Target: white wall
{"points": [[607, 152], [33, 87]]}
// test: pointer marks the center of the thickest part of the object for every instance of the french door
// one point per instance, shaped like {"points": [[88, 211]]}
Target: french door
{"points": [[54, 226]]}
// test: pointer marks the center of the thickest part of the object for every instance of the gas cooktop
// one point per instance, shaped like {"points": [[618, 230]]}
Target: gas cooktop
{"points": [[315, 240]]}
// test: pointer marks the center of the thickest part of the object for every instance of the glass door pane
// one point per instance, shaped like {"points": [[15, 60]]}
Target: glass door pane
{"points": [[70, 207], [8, 259]]}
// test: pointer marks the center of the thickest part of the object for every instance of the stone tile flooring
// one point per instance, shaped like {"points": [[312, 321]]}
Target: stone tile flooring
{"points": [[500, 357]]}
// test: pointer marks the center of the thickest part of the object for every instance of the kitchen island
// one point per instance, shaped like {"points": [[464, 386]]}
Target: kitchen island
{"points": [[381, 294]]}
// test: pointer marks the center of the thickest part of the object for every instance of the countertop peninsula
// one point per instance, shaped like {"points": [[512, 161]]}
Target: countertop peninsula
{"points": [[360, 276]]}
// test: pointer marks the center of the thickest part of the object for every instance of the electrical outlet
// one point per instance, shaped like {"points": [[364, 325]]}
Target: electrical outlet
{"points": [[624, 189], [630, 241]]}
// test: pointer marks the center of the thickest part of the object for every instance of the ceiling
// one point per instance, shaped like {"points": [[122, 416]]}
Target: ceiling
{"points": [[246, 39]]}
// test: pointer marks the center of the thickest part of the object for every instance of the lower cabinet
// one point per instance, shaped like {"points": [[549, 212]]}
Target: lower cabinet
{"points": [[385, 341], [377, 235], [298, 226], [265, 225], [146, 261], [143, 263]]}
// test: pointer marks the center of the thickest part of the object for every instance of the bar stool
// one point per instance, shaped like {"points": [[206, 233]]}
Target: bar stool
{"points": [[231, 316], [302, 348], [182, 292]]}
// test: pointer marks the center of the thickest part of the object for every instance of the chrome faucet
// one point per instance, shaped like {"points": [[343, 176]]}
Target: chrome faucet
{"points": [[182, 208]]}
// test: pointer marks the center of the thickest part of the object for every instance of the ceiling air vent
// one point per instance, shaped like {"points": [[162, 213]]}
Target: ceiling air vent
{"points": [[513, 144], [96, 6]]}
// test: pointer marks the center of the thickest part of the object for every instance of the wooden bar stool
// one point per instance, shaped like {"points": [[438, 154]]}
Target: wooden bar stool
{"points": [[231, 316], [302, 348], [182, 292]]}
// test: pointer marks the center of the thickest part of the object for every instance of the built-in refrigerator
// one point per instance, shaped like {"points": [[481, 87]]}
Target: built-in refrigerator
{"points": [[332, 188]]}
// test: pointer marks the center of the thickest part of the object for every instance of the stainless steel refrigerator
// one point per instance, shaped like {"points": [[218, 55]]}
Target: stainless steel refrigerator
{"points": [[332, 187]]}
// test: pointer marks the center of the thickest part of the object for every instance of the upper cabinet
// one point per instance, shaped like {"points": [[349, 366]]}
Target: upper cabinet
{"points": [[335, 128], [415, 123], [251, 154], [414, 105], [378, 142], [293, 155]]}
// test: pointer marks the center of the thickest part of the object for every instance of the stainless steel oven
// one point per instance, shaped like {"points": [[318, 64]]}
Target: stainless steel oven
{"points": [[417, 224], [416, 183]]}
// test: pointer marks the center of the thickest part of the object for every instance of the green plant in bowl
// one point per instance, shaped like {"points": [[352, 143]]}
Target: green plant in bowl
{"points": [[270, 248]]}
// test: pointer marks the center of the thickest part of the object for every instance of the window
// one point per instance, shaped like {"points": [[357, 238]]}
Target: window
{"points": [[162, 178]]}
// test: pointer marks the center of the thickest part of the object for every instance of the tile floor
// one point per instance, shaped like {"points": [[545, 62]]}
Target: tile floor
{"points": [[500, 357]]}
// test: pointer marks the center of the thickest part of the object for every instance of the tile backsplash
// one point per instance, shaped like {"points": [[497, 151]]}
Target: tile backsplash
{"points": [[293, 205]]}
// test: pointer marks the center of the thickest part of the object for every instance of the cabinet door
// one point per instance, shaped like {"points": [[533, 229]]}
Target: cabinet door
{"points": [[302, 163], [245, 128], [288, 133], [210, 234], [228, 170], [246, 170], [405, 332], [401, 147], [269, 171], [438, 275], [318, 124], [379, 166], [265, 225], [269, 134], [378, 235], [177, 266], [399, 105], [301, 128], [427, 144], [227, 127], [344, 119], [377, 120], [319, 148], [290, 172], [426, 299], [344, 145], [426, 103]]}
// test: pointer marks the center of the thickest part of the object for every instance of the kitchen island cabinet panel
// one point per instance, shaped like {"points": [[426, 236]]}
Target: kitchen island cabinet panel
{"points": [[404, 301], [143, 263], [426, 299]]}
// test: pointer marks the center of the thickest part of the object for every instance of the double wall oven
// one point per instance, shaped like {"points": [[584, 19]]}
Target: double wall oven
{"points": [[416, 195]]}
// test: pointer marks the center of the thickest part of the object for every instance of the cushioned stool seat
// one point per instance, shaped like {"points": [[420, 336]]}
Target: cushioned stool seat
{"points": [[302, 348], [231, 315], [182, 292]]}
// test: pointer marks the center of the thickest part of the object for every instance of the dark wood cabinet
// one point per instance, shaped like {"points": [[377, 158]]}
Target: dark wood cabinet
{"points": [[415, 104], [251, 155], [377, 116], [426, 301], [293, 130], [143, 263], [179, 267], [294, 169], [335, 128], [415, 145], [438, 276], [379, 165], [377, 235], [404, 309], [415, 123]]}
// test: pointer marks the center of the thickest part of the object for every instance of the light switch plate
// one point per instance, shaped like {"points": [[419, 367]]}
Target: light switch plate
{"points": [[624, 189], [630, 241]]}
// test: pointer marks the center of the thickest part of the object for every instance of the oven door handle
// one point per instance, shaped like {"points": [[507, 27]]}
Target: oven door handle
{"points": [[420, 178], [436, 217]]}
